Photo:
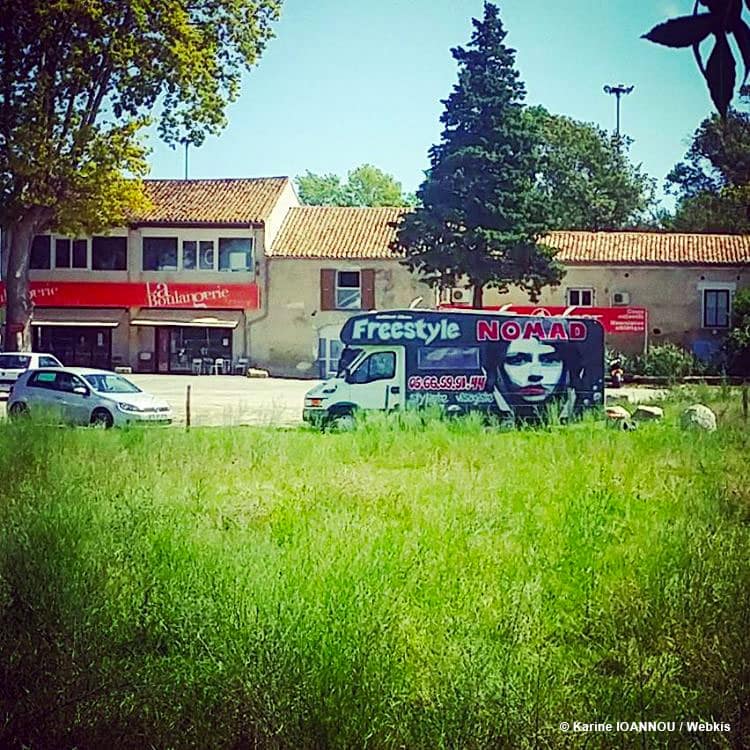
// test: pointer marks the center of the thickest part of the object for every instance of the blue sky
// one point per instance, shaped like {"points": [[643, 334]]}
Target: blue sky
{"points": [[349, 81]]}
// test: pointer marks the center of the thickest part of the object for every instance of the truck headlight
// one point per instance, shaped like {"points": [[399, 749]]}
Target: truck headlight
{"points": [[314, 402]]}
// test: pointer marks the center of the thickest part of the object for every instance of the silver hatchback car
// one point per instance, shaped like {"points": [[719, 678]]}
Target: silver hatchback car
{"points": [[79, 395]]}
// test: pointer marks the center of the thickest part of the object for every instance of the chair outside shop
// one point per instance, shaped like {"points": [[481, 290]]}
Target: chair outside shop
{"points": [[197, 368], [240, 366]]}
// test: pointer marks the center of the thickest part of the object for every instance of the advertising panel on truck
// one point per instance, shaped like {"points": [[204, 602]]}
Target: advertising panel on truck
{"points": [[512, 366]]}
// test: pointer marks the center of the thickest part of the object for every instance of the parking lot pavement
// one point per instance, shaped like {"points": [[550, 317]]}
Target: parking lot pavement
{"points": [[217, 400]]}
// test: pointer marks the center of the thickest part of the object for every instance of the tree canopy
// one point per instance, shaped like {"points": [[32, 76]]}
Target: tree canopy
{"points": [[712, 183], [365, 186], [481, 215], [586, 178], [80, 80]]}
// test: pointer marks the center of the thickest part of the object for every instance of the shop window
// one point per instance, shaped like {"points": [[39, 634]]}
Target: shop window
{"points": [[160, 253], [40, 252], [70, 253], [109, 253], [581, 297], [235, 254], [716, 308]]}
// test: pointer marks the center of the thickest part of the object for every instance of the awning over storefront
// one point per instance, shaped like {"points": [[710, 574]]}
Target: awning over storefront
{"points": [[51, 316], [188, 318]]}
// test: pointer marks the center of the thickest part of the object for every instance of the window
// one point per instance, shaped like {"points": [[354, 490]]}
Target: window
{"points": [[160, 253], [48, 362], [109, 253], [716, 308], [448, 358], [198, 254], [40, 252], [581, 297], [14, 361], [71, 253], [378, 366], [348, 290], [67, 382], [41, 379], [235, 254]]}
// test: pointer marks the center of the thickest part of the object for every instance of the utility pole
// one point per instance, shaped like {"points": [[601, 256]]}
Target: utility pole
{"points": [[618, 91], [187, 143]]}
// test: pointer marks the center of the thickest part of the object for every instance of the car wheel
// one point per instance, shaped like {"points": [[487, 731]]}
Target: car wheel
{"points": [[344, 423], [18, 410], [102, 418]]}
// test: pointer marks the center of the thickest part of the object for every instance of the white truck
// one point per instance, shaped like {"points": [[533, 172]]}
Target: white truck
{"points": [[512, 366]]}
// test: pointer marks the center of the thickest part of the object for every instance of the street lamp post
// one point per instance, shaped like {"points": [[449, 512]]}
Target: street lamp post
{"points": [[618, 91]]}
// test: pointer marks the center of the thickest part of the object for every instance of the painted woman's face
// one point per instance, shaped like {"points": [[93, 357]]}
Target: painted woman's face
{"points": [[533, 369]]}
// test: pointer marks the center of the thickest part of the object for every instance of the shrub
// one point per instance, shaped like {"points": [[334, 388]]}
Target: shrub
{"points": [[667, 361], [737, 345]]}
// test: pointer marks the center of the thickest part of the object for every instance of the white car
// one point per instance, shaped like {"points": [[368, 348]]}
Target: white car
{"points": [[13, 364], [80, 395]]}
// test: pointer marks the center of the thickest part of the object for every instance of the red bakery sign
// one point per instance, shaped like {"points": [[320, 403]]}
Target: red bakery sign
{"points": [[149, 294], [613, 319]]}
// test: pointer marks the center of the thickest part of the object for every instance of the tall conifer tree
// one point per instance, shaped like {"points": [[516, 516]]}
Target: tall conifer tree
{"points": [[481, 216]]}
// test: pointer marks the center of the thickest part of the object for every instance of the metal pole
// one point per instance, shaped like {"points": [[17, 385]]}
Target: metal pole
{"points": [[618, 92], [186, 159], [187, 409]]}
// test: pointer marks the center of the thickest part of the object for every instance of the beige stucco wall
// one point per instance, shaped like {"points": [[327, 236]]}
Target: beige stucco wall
{"points": [[285, 341], [672, 295]]}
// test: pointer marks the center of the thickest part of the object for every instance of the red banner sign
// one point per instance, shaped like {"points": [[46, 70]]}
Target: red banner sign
{"points": [[159, 294], [613, 319]]}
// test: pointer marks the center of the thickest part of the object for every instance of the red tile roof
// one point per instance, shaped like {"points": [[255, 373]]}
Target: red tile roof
{"points": [[231, 201], [333, 232], [650, 248], [337, 232]]}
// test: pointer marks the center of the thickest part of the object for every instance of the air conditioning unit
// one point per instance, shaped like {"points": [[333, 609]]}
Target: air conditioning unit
{"points": [[460, 296], [620, 298]]}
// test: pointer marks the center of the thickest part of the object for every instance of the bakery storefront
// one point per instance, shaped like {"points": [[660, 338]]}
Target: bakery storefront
{"points": [[150, 327]]}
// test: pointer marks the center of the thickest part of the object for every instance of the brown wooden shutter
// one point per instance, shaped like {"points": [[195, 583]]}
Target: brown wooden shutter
{"points": [[368, 289], [327, 289]]}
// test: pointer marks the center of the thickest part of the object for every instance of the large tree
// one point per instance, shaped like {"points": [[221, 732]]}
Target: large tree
{"points": [[712, 183], [586, 176], [365, 186], [482, 214], [79, 80]]}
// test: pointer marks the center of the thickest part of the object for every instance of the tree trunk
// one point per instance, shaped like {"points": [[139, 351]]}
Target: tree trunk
{"points": [[19, 307], [478, 292]]}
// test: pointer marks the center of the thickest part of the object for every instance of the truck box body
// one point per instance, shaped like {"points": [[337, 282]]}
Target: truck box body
{"points": [[511, 366]]}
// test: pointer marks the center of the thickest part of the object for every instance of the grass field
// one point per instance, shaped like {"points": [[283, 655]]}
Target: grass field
{"points": [[406, 585]]}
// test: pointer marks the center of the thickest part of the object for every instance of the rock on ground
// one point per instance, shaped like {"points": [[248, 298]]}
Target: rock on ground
{"points": [[617, 412], [698, 417], [645, 413]]}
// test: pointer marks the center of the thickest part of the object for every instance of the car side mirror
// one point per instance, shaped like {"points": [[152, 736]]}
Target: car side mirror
{"points": [[81, 390]]}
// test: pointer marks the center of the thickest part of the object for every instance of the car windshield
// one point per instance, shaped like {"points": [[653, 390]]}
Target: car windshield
{"points": [[14, 361], [103, 382]]}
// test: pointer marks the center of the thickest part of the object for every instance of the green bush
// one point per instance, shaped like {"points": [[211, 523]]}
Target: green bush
{"points": [[737, 345], [666, 361]]}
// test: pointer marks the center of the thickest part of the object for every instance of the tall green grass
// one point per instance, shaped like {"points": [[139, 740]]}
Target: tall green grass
{"points": [[412, 584]]}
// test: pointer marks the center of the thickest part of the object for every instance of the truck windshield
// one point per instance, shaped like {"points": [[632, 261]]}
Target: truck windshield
{"points": [[347, 357]]}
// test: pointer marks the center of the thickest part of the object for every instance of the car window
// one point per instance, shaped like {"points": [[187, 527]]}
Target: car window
{"points": [[49, 362], [14, 361], [378, 366], [42, 379], [109, 383], [66, 382]]}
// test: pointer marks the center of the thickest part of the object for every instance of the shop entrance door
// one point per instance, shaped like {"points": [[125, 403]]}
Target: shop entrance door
{"points": [[162, 349]]}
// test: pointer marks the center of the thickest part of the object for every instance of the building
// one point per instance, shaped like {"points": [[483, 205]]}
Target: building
{"points": [[176, 291], [231, 272]]}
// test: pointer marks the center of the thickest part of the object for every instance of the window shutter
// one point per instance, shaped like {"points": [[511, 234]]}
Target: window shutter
{"points": [[327, 289], [368, 289]]}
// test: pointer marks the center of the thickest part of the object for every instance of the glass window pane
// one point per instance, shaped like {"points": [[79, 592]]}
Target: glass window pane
{"points": [[448, 358], [348, 299], [160, 253], [62, 253], [586, 298], [80, 254], [189, 255], [206, 249], [109, 253], [40, 251], [349, 279], [235, 254]]}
